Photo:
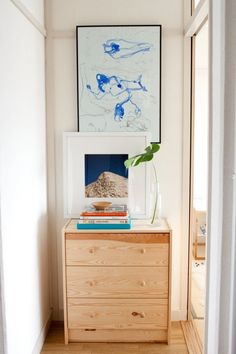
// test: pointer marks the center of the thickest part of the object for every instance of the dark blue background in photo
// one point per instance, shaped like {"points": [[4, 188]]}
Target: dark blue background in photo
{"points": [[96, 164]]}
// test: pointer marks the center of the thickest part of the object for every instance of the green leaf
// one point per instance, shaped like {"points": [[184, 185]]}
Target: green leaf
{"points": [[144, 157], [148, 149], [132, 161], [137, 161], [155, 147], [147, 157]]}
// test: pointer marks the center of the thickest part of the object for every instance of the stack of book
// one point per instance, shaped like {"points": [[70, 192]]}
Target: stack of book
{"points": [[114, 217]]}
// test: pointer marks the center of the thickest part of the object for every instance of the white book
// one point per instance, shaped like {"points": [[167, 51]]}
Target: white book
{"points": [[104, 217], [103, 221]]}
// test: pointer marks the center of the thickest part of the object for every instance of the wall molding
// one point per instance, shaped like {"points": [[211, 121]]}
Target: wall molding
{"points": [[29, 16], [215, 179], [3, 343], [198, 19], [42, 336]]}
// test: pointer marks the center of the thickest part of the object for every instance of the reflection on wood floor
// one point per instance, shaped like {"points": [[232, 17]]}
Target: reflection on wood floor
{"points": [[54, 344], [198, 289]]}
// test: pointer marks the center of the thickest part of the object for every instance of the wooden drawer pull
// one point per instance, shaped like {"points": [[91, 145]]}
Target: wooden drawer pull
{"points": [[140, 314], [143, 250], [91, 250], [143, 283]]}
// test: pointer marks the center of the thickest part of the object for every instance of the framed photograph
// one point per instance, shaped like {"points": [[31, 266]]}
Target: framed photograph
{"points": [[93, 170], [119, 79], [106, 176]]}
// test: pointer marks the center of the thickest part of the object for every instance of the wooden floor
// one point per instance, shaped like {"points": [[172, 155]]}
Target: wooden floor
{"points": [[192, 338], [54, 344]]}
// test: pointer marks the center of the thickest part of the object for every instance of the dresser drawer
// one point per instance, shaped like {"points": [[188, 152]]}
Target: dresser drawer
{"points": [[117, 314], [118, 335], [117, 282], [109, 252]]}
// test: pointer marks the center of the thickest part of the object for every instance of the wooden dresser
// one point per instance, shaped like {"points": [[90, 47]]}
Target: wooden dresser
{"points": [[117, 284]]}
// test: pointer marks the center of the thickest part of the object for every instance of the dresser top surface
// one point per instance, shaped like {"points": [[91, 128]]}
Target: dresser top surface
{"points": [[141, 226]]}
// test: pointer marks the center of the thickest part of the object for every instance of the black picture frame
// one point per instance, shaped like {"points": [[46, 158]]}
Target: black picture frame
{"points": [[119, 88]]}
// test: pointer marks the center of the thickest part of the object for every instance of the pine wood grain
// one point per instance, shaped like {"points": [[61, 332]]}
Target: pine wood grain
{"points": [[54, 344], [121, 282], [117, 314], [138, 226], [191, 337], [125, 237], [104, 266], [118, 335], [110, 252]]}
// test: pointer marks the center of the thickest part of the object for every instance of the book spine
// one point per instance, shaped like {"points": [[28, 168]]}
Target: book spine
{"points": [[104, 221], [104, 214], [104, 217], [103, 226]]}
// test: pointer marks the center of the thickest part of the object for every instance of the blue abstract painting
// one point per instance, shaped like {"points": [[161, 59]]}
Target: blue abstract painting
{"points": [[119, 79], [122, 49]]}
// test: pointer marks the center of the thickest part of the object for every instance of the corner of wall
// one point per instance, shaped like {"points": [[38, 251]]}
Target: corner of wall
{"points": [[43, 334]]}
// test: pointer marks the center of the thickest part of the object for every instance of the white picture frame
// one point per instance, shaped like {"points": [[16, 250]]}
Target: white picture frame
{"points": [[76, 145]]}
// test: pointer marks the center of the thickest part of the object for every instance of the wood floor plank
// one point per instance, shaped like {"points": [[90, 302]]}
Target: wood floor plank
{"points": [[54, 344], [191, 338]]}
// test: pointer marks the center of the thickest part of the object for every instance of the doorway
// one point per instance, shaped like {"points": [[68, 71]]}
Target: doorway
{"points": [[199, 179]]}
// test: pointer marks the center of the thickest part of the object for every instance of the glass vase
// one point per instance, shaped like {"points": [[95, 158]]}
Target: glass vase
{"points": [[155, 207]]}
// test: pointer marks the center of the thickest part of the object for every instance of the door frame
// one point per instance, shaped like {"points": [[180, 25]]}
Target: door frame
{"points": [[195, 20], [3, 340]]}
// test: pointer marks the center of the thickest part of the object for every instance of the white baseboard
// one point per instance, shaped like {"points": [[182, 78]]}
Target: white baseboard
{"points": [[179, 315], [43, 334]]}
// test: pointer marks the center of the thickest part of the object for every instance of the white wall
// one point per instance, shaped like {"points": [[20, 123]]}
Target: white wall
{"points": [[23, 178], [62, 17]]}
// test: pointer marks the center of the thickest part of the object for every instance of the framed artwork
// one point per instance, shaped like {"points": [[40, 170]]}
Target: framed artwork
{"points": [[119, 79], [106, 176], [93, 170]]}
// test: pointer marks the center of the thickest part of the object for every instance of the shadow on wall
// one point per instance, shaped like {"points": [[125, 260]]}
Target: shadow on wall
{"points": [[43, 281]]}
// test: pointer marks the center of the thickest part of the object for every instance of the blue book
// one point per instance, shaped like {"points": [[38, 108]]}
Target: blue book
{"points": [[103, 226]]}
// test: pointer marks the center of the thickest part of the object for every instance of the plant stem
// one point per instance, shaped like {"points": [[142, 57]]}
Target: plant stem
{"points": [[155, 205]]}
